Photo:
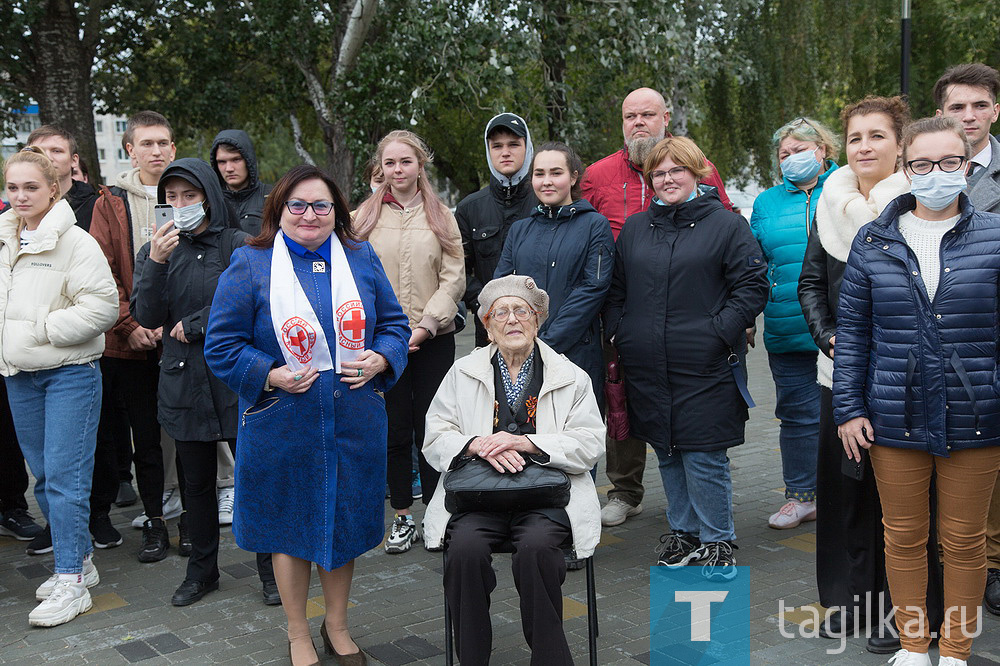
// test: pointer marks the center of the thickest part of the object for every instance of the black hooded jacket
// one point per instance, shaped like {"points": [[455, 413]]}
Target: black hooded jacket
{"points": [[192, 404], [247, 204]]}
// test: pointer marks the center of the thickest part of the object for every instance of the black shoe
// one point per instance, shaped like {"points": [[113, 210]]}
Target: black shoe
{"points": [[882, 645], [19, 524], [184, 545], [991, 598], [155, 541], [191, 591], [839, 624], [41, 544], [126, 494], [104, 533], [271, 595]]}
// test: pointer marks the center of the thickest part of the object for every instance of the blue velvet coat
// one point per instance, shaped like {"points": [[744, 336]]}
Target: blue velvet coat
{"points": [[924, 372], [310, 468]]}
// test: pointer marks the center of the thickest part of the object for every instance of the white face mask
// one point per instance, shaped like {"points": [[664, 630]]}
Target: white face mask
{"points": [[187, 218], [937, 190]]}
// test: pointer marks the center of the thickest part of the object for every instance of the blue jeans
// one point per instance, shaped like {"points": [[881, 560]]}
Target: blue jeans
{"points": [[797, 407], [699, 493], [55, 415]]}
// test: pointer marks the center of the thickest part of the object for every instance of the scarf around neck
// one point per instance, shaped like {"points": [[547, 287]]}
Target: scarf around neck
{"points": [[842, 209]]}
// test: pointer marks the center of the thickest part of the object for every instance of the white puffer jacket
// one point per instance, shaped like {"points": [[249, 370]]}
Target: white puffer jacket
{"points": [[570, 430], [57, 296]]}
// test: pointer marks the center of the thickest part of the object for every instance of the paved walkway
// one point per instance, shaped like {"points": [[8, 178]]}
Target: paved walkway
{"points": [[397, 613]]}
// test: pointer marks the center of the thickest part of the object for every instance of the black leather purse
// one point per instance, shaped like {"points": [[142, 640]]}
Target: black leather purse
{"points": [[476, 486]]}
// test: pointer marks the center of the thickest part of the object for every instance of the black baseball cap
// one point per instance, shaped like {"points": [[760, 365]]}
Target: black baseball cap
{"points": [[509, 122]]}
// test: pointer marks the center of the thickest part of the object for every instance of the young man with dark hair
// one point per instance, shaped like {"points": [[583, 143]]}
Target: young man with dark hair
{"points": [[59, 145], [485, 217], [122, 224], [234, 159]]}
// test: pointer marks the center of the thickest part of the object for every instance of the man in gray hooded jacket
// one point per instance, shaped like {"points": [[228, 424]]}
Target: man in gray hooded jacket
{"points": [[485, 217], [235, 161]]}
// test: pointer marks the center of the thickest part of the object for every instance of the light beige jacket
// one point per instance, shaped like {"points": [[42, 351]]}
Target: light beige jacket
{"points": [[569, 429], [428, 281], [57, 296]]}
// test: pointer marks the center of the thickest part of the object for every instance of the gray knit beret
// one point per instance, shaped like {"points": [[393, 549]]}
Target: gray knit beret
{"points": [[520, 286]]}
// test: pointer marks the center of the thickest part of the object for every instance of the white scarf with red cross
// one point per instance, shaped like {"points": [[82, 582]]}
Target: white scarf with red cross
{"points": [[300, 335]]}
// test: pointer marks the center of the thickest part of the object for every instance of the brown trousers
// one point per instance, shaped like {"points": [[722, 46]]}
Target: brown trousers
{"points": [[964, 486], [993, 531]]}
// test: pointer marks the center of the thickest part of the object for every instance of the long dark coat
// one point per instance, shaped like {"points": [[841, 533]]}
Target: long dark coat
{"points": [[310, 467], [192, 404], [689, 280]]}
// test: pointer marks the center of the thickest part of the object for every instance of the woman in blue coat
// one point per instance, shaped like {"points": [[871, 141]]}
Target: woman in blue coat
{"points": [[306, 329], [781, 220], [915, 382], [567, 247]]}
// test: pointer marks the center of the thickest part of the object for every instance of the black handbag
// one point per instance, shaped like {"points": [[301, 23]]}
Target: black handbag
{"points": [[476, 486]]}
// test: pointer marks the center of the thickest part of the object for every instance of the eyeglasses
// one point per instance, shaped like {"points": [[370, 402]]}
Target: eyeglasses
{"points": [[946, 164], [674, 174], [503, 314], [296, 207]]}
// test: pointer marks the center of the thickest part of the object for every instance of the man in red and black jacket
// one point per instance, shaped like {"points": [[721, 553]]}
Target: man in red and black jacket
{"points": [[615, 187]]}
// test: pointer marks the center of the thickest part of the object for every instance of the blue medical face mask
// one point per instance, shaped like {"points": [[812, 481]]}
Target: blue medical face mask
{"points": [[187, 218], [937, 189], [801, 167]]}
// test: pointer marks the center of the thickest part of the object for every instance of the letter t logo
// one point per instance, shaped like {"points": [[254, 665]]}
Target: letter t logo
{"points": [[701, 610]]}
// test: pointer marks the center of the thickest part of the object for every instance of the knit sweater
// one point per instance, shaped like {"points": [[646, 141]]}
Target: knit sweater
{"points": [[924, 238]]}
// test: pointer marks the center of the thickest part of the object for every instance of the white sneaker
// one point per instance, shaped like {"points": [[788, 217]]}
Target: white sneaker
{"points": [[66, 602], [90, 579], [907, 658], [952, 661], [616, 511], [226, 496], [792, 514], [403, 534], [171, 508]]}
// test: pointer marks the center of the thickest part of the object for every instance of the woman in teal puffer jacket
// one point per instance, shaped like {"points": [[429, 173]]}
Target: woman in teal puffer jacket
{"points": [[781, 220]]}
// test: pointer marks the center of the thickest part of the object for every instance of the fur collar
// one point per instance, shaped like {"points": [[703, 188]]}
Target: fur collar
{"points": [[842, 211]]}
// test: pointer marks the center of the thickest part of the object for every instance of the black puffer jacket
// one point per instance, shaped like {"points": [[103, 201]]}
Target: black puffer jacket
{"points": [[247, 204], [689, 280], [484, 218], [819, 291], [192, 404]]}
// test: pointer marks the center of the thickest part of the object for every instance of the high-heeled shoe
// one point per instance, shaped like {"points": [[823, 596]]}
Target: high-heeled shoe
{"points": [[315, 663], [354, 659]]}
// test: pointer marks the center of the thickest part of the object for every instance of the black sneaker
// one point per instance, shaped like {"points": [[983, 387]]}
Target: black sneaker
{"points": [[718, 560], [184, 545], [19, 524], [104, 533], [41, 544], [155, 541], [126, 494], [677, 549]]}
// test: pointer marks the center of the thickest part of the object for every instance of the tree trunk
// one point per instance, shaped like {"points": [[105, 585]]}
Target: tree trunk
{"points": [[61, 81], [339, 158], [553, 42]]}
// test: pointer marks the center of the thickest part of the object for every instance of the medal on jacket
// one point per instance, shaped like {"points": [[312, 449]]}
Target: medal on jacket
{"points": [[319, 267]]}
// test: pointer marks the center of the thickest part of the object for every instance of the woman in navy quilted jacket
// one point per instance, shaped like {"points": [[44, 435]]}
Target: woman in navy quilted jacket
{"points": [[781, 221], [915, 382]]}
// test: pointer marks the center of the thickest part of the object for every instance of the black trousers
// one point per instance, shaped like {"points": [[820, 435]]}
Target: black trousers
{"points": [[13, 475], [850, 546], [134, 384], [406, 405], [539, 571], [197, 471]]}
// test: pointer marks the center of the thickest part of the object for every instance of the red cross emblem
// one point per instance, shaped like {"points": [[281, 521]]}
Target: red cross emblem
{"points": [[299, 337], [351, 320]]}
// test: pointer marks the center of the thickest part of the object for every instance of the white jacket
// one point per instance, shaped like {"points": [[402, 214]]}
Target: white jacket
{"points": [[569, 429], [57, 296]]}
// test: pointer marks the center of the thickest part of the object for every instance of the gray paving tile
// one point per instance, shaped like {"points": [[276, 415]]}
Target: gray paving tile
{"points": [[135, 651], [167, 643]]}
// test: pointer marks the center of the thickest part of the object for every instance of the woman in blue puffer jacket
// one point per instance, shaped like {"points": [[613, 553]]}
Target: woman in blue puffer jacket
{"points": [[781, 220], [915, 374]]}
